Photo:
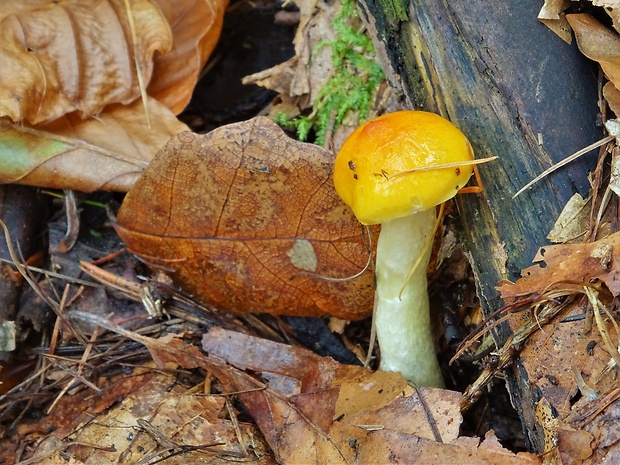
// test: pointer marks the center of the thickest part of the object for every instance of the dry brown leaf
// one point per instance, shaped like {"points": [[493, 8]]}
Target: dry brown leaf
{"points": [[569, 263], [612, 96], [401, 449], [76, 55], [353, 394], [73, 59], [598, 43], [106, 153], [311, 409], [305, 74], [569, 364], [158, 401], [552, 357], [574, 446], [345, 414], [196, 26], [246, 218], [612, 8], [552, 15], [572, 222]]}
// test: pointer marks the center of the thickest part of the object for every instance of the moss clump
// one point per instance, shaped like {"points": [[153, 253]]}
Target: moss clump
{"points": [[356, 78]]}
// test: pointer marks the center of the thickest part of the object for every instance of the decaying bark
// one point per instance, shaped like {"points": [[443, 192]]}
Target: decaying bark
{"points": [[518, 92]]}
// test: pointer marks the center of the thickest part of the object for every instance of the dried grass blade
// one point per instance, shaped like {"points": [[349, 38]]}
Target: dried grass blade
{"points": [[139, 73], [593, 298]]}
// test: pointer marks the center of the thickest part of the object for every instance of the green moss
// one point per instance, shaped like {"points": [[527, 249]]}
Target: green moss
{"points": [[354, 82], [395, 10]]}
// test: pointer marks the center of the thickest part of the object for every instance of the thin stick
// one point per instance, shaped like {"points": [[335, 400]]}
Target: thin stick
{"points": [[566, 161], [373, 334], [51, 274], [24, 271]]}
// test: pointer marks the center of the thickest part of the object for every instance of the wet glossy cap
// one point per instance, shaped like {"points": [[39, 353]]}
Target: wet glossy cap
{"points": [[394, 143]]}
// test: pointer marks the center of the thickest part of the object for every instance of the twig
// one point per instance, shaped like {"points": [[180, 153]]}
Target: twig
{"points": [[510, 348]]}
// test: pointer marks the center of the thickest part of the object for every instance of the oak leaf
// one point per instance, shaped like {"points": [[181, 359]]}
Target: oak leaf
{"points": [[568, 265], [247, 220]]}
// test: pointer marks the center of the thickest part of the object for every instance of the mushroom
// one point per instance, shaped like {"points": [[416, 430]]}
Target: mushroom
{"points": [[387, 173]]}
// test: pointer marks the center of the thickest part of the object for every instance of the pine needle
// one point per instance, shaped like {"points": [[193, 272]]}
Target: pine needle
{"points": [[566, 161], [440, 166]]}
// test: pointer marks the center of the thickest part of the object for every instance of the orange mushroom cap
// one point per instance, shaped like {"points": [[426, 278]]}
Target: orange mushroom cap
{"points": [[395, 143]]}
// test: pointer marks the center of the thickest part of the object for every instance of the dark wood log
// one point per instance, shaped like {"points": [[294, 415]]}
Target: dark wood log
{"points": [[23, 211], [509, 83]]}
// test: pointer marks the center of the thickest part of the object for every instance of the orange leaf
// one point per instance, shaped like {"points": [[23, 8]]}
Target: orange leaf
{"points": [[568, 265], [245, 218], [314, 410], [310, 409], [196, 27]]}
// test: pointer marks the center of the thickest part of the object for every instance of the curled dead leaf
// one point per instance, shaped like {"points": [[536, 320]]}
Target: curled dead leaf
{"points": [[612, 95], [599, 43], [552, 15], [76, 55], [569, 265], [196, 27], [68, 70], [245, 219]]}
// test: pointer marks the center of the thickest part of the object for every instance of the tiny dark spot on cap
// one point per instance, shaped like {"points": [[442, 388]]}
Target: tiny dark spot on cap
{"points": [[457, 187], [458, 171], [351, 165], [355, 176]]}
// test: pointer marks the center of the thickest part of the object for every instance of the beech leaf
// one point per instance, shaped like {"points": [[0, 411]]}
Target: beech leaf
{"points": [[106, 153], [247, 220], [75, 55], [196, 27]]}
